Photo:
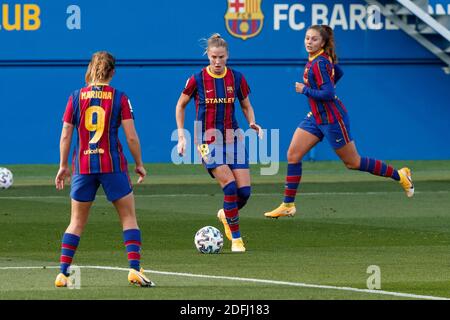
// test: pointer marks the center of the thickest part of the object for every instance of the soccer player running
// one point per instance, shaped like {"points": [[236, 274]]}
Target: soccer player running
{"points": [[328, 118], [215, 89], [97, 111]]}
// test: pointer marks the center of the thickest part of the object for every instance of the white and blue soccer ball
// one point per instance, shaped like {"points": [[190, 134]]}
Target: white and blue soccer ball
{"points": [[6, 178], [208, 240]]}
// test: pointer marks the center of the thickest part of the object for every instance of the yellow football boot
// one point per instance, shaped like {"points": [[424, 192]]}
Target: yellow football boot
{"points": [[226, 227], [62, 281], [139, 279], [284, 210], [406, 181], [237, 245]]}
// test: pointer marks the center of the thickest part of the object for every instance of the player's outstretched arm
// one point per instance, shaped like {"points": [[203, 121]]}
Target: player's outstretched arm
{"points": [[135, 147], [64, 149]]}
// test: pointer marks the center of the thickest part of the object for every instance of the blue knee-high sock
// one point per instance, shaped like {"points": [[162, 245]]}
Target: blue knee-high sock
{"points": [[69, 244], [243, 194], [132, 240], [378, 168], [293, 177]]}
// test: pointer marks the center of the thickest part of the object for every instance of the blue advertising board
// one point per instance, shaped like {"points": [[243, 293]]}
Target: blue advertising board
{"points": [[395, 90], [172, 30]]}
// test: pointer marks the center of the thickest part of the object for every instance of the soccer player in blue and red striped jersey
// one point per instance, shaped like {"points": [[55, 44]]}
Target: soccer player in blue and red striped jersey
{"points": [[215, 90], [96, 112], [328, 118]]}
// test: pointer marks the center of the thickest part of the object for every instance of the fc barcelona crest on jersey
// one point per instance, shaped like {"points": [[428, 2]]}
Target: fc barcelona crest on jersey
{"points": [[244, 18]]}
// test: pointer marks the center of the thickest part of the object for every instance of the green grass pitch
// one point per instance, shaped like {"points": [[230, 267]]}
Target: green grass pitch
{"points": [[346, 222]]}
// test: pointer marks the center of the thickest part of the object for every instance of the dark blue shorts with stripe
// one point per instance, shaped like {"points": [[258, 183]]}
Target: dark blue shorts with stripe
{"points": [[338, 133]]}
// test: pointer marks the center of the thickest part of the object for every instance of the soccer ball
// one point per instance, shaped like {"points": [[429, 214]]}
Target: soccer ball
{"points": [[6, 178], [208, 240]]}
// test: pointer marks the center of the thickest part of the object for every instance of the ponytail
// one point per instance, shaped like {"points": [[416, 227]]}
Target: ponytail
{"points": [[100, 68], [330, 46]]}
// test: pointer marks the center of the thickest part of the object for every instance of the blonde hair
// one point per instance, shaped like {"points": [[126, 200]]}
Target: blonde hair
{"points": [[100, 68], [327, 35], [215, 40]]}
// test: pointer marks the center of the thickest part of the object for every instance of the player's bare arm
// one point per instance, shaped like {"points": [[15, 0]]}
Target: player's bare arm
{"points": [[135, 147], [179, 115], [249, 114], [64, 147]]}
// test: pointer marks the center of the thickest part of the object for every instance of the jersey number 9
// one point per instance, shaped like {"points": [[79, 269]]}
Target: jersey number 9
{"points": [[99, 126]]}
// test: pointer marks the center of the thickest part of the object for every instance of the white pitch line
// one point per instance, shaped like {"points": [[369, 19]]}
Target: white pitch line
{"points": [[374, 193], [274, 282]]}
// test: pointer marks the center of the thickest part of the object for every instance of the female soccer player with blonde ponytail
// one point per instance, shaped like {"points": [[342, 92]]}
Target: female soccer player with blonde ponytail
{"points": [[96, 112], [215, 89]]}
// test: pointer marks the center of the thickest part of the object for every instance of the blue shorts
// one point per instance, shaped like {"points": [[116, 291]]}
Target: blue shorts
{"points": [[338, 133], [232, 154], [84, 186]]}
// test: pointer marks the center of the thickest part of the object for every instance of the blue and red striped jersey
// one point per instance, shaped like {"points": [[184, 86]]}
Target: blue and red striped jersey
{"points": [[215, 96], [97, 112], [319, 78]]}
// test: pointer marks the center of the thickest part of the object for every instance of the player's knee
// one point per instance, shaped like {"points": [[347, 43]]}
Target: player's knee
{"points": [[76, 226], [293, 157], [243, 196], [230, 188]]}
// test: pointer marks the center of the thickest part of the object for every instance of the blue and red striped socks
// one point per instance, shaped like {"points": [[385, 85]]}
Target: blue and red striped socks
{"points": [[294, 175], [378, 168], [68, 247], [132, 240], [230, 207]]}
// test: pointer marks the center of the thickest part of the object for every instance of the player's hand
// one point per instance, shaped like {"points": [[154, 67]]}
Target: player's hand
{"points": [[299, 87], [63, 173], [258, 129], [181, 146], [140, 170]]}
